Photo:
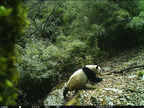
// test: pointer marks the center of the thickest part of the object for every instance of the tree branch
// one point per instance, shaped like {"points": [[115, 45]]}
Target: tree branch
{"points": [[33, 6], [121, 71], [44, 22]]}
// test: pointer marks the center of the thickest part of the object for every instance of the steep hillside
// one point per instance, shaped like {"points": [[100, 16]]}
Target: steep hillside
{"points": [[122, 88], [125, 88]]}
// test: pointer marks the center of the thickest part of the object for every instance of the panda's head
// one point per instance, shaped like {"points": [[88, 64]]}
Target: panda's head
{"points": [[96, 69]]}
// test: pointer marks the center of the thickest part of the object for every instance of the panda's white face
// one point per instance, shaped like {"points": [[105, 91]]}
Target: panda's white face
{"points": [[96, 69]]}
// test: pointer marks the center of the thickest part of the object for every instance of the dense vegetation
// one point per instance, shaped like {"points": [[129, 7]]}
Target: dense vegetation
{"points": [[12, 19], [65, 35]]}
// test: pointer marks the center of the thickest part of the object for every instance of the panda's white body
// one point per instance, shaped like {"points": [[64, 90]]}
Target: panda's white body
{"points": [[78, 79]]}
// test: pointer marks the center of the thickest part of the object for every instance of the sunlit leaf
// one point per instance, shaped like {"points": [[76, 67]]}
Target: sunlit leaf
{"points": [[4, 11]]}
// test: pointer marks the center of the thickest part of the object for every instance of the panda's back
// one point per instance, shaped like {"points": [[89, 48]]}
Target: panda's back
{"points": [[77, 81]]}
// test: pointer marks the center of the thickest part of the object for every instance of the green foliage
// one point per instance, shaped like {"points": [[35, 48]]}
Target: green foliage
{"points": [[76, 34], [119, 19], [4, 11], [70, 12], [78, 53], [41, 66], [140, 73], [101, 11], [121, 30], [38, 69], [45, 17], [12, 19], [136, 23], [115, 31], [132, 6]]}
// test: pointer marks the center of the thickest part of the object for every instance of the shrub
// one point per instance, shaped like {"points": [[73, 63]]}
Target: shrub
{"points": [[116, 34], [38, 69], [42, 64], [78, 53], [123, 29]]}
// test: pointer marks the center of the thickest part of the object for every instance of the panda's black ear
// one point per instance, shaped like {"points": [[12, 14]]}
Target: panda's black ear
{"points": [[97, 67]]}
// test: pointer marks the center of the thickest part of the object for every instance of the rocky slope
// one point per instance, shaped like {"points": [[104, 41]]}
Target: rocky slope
{"points": [[123, 88]]}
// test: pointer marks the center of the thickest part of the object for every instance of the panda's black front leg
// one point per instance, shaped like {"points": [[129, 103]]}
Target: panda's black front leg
{"points": [[98, 80], [65, 92]]}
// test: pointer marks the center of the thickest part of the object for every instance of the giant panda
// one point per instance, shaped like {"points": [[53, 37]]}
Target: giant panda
{"points": [[79, 78]]}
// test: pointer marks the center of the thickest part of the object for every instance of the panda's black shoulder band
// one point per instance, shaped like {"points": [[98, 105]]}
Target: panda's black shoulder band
{"points": [[89, 73]]}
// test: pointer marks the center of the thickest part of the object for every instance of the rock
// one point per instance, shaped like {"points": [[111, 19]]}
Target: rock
{"points": [[143, 77], [106, 69], [142, 103], [114, 90], [133, 76], [55, 98]]}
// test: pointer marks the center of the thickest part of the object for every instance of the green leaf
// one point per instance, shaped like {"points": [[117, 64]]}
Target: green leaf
{"points": [[9, 83], [1, 99], [4, 11], [140, 73]]}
